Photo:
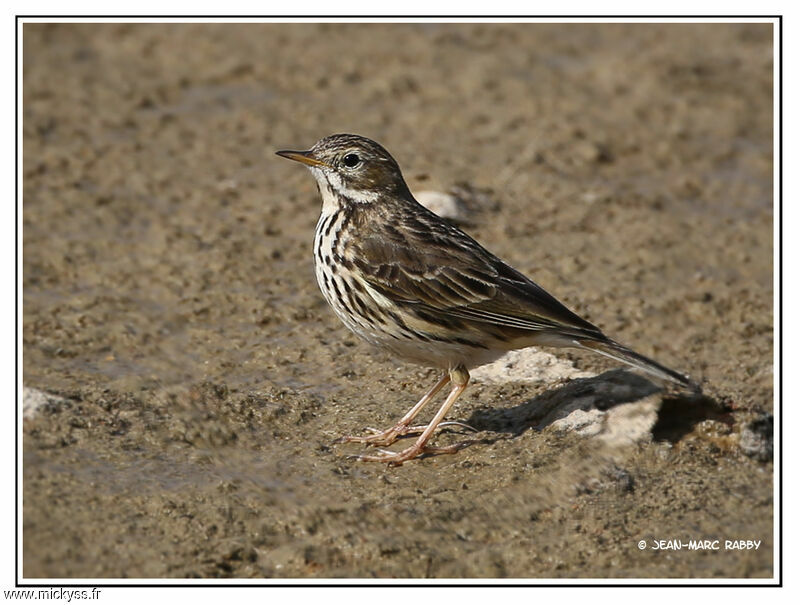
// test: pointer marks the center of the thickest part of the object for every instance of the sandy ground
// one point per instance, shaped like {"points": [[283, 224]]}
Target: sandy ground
{"points": [[190, 380]]}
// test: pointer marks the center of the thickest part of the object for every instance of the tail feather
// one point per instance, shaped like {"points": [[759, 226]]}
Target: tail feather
{"points": [[612, 349]]}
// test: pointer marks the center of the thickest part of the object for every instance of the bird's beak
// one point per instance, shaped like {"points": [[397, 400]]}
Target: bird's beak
{"points": [[304, 157]]}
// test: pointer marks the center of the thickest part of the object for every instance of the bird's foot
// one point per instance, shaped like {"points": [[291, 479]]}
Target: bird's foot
{"points": [[389, 436], [381, 438], [398, 458]]}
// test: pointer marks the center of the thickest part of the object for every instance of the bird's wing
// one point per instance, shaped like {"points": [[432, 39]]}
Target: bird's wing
{"points": [[434, 267]]}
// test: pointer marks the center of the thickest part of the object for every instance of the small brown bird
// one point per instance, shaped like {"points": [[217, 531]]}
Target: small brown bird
{"points": [[408, 282]]}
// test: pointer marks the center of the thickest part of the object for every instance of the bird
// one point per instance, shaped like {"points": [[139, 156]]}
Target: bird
{"points": [[409, 282]]}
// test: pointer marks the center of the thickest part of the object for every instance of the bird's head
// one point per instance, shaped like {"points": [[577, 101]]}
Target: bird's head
{"points": [[352, 166]]}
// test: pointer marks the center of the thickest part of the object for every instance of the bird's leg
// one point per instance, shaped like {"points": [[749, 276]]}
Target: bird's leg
{"points": [[390, 435], [460, 378]]}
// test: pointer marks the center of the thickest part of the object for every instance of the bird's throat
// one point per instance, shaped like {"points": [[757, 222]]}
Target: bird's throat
{"points": [[336, 193]]}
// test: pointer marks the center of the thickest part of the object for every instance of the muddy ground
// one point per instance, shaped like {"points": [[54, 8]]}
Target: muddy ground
{"points": [[170, 302]]}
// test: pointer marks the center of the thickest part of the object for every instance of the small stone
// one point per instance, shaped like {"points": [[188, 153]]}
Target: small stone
{"points": [[446, 205], [757, 438], [460, 204], [34, 400]]}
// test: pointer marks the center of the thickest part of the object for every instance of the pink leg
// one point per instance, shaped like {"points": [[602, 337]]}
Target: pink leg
{"points": [[389, 436], [460, 378]]}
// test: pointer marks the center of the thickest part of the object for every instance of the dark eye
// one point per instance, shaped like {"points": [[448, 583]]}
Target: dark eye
{"points": [[351, 160]]}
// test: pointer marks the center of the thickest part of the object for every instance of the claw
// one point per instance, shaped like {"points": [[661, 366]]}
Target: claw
{"points": [[389, 436], [398, 458], [457, 423]]}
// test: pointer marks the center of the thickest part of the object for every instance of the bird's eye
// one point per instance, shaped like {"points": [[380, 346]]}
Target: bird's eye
{"points": [[351, 160]]}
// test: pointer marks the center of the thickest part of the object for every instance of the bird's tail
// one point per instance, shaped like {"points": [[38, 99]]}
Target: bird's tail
{"points": [[612, 349]]}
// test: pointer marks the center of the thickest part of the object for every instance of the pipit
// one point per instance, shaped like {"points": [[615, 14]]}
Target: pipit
{"points": [[405, 280]]}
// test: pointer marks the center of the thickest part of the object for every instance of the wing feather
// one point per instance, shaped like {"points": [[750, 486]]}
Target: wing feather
{"points": [[442, 271]]}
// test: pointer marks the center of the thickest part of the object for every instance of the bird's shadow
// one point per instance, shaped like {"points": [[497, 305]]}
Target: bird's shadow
{"points": [[677, 415]]}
